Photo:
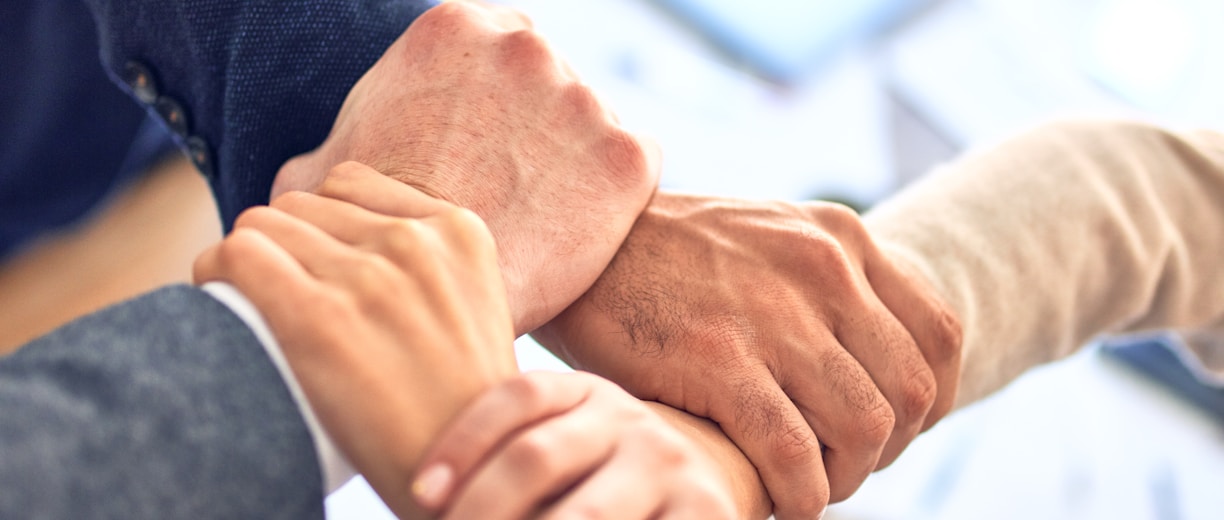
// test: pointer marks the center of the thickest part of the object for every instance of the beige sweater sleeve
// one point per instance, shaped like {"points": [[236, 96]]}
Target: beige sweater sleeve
{"points": [[1069, 231]]}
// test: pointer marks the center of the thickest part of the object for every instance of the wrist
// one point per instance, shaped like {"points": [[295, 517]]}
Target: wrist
{"points": [[335, 468], [740, 476]]}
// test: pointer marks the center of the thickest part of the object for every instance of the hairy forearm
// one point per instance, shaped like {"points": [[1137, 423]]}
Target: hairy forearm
{"points": [[1067, 232], [749, 493]]}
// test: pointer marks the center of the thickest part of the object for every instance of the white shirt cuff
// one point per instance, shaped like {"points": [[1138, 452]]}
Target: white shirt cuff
{"points": [[336, 469]]}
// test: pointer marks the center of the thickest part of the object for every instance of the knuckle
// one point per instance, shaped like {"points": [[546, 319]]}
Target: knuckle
{"points": [[850, 381], [526, 391], [470, 232], [947, 335], [535, 453], [760, 416], [401, 238], [463, 219], [918, 394], [346, 170], [871, 417], [624, 157], [446, 14], [579, 102], [252, 217], [439, 25], [290, 202], [668, 447], [841, 221], [400, 248], [234, 249], [338, 177], [841, 218], [823, 250], [370, 275], [875, 425], [810, 503], [794, 444], [723, 334], [449, 9], [525, 49]]}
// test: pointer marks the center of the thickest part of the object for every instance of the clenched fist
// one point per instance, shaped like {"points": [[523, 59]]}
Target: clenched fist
{"points": [[817, 354], [471, 106]]}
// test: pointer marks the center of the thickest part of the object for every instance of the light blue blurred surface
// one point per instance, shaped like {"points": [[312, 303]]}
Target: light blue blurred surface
{"points": [[786, 39], [1083, 439], [980, 70]]}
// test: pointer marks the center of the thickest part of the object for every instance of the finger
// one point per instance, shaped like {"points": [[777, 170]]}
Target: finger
{"points": [[536, 466], [629, 486], [260, 269], [843, 406], [207, 266], [345, 222], [494, 416], [405, 242], [321, 255], [883, 347], [507, 18], [761, 419], [928, 321], [363, 186], [494, 16]]}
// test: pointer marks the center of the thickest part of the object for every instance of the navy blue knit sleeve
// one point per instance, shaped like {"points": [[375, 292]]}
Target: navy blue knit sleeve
{"points": [[246, 84]]}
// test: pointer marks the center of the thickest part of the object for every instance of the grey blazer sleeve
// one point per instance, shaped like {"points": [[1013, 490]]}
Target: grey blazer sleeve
{"points": [[162, 407]]}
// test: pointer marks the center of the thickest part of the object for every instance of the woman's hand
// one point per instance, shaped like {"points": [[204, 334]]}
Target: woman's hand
{"points": [[391, 324], [575, 445]]}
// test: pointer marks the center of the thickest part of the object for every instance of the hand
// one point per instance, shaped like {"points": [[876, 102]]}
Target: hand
{"points": [[819, 356], [471, 106], [391, 325], [547, 445]]}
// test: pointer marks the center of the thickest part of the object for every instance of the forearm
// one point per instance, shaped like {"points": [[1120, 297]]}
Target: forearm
{"points": [[109, 416], [1065, 233], [750, 496]]}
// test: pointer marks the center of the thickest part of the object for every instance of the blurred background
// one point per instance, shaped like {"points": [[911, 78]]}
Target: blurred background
{"points": [[851, 100]]}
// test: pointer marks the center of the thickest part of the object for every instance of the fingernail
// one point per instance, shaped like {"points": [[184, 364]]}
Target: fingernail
{"points": [[433, 484], [821, 515]]}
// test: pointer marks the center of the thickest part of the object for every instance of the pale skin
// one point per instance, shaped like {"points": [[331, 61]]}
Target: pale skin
{"points": [[408, 325], [472, 107], [839, 353]]}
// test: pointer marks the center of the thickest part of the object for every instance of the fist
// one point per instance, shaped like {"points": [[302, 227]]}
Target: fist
{"points": [[471, 106], [817, 354]]}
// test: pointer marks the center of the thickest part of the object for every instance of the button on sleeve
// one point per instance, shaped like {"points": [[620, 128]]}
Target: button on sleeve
{"points": [[200, 155], [173, 114], [140, 79]]}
